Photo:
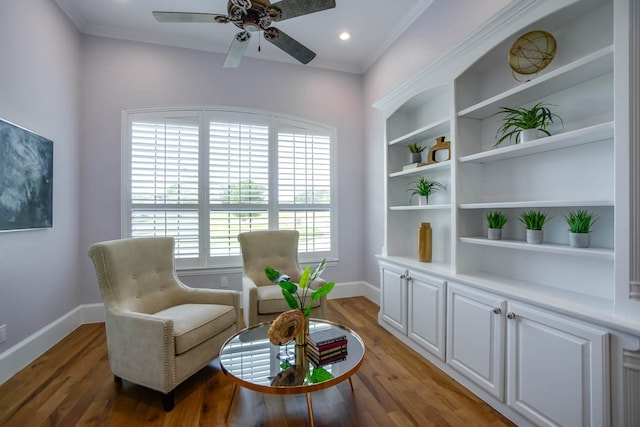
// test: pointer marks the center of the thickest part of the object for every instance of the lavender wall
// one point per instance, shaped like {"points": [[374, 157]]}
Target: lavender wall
{"points": [[439, 29], [120, 75], [39, 74]]}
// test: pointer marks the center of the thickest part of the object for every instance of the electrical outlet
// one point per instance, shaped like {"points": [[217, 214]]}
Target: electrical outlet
{"points": [[224, 283], [3, 333]]}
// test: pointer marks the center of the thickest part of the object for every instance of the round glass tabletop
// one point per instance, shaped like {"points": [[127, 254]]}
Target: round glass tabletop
{"points": [[253, 362]]}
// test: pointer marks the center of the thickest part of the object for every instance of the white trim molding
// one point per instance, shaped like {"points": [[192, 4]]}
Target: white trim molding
{"points": [[631, 388], [634, 148], [29, 349]]}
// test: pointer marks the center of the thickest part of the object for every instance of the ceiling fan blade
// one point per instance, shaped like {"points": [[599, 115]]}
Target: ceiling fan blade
{"points": [[293, 8], [289, 45], [237, 49], [186, 17]]}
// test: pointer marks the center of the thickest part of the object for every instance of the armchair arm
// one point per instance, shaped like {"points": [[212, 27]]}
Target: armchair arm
{"points": [[210, 296], [249, 301], [142, 349]]}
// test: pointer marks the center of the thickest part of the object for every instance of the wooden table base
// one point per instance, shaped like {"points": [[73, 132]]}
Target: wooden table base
{"points": [[309, 404]]}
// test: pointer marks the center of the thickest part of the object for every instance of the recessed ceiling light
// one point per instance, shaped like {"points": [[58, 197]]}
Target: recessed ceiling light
{"points": [[345, 36]]}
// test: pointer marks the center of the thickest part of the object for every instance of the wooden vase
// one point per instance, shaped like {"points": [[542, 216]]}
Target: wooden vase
{"points": [[424, 242]]}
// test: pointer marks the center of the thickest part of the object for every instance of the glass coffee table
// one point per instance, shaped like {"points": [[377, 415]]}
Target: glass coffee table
{"points": [[250, 360]]}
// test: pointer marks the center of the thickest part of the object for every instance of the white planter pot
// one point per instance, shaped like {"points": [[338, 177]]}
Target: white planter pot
{"points": [[494, 233], [579, 240], [529, 135], [422, 201], [416, 157], [534, 236]]}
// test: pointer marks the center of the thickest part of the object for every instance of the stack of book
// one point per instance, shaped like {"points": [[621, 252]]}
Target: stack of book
{"points": [[325, 347]]}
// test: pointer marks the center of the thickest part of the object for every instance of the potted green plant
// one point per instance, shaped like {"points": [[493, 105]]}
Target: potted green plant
{"points": [[495, 222], [534, 221], [416, 152], [525, 123], [423, 188], [580, 223], [300, 296]]}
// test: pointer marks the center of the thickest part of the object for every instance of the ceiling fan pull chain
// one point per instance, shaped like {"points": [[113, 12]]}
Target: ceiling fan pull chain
{"points": [[259, 38]]}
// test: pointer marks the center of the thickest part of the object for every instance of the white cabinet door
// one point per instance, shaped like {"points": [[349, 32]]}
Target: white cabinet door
{"points": [[394, 296], [475, 336], [557, 369], [426, 312]]}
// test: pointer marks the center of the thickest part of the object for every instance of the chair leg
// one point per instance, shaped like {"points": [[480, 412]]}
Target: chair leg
{"points": [[168, 400]]}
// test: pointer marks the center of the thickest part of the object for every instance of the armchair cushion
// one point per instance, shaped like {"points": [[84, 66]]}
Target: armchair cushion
{"points": [[195, 323]]}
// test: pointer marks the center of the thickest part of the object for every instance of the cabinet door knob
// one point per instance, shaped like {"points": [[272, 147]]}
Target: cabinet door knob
{"points": [[409, 278], [403, 276], [497, 310], [511, 315]]}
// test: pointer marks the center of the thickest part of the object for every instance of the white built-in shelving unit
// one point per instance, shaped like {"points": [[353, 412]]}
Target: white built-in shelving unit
{"points": [[577, 167]]}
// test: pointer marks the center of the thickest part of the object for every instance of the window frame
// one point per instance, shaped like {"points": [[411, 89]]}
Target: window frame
{"points": [[205, 261]]}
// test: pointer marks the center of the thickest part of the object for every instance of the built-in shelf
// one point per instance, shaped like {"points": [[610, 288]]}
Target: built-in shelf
{"points": [[421, 169], [435, 267], [602, 253], [600, 132], [438, 128], [582, 70], [420, 208], [537, 204]]}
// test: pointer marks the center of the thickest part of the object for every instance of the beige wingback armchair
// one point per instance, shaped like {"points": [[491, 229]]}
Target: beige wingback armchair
{"points": [[262, 300], [159, 331]]}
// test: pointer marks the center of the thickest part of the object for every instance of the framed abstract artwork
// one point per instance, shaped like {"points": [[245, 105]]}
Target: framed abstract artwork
{"points": [[26, 179]]}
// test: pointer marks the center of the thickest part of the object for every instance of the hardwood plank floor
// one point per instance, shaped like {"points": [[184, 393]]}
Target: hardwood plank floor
{"points": [[71, 385]]}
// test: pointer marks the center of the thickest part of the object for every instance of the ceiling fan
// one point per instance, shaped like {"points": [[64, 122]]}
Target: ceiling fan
{"points": [[253, 16]]}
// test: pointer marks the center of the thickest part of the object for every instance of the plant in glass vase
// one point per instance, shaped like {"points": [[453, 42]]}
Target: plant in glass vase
{"points": [[300, 296]]}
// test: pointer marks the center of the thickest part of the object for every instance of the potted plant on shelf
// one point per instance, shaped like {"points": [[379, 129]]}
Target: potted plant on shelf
{"points": [[525, 123], [423, 188], [534, 221], [416, 152], [495, 222], [580, 223]]}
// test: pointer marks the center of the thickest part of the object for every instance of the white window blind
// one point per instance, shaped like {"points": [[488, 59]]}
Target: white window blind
{"points": [[164, 181], [304, 186], [205, 176]]}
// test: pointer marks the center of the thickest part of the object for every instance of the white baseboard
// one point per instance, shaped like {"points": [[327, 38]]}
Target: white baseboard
{"points": [[29, 349], [355, 289]]}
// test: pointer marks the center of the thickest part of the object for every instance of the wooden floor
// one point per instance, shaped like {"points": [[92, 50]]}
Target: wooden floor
{"points": [[71, 385]]}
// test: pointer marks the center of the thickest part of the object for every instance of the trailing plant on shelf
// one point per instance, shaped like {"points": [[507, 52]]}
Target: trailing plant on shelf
{"points": [[424, 187], [534, 221], [495, 222], [517, 120], [580, 223]]}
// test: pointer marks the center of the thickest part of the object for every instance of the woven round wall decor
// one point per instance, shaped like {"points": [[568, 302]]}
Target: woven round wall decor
{"points": [[532, 52]]}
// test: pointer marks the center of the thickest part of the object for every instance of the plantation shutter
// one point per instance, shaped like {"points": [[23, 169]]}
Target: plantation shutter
{"points": [[304, 185], [238, 179], [164, 181]]}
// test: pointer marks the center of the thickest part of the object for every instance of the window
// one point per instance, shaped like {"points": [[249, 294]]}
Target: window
{"points": [[204, 176]]}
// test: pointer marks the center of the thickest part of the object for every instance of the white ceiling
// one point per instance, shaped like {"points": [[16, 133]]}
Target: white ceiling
{"points": [[373, 25]]}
